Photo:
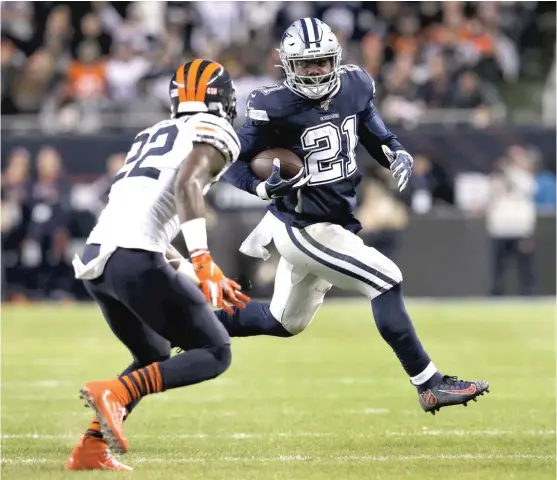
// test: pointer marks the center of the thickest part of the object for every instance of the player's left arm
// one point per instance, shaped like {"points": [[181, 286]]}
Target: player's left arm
{"points": [[210, 154], [380, 142]]}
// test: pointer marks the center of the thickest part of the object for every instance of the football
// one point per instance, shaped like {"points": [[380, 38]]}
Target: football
{"points": [[290, 163]]}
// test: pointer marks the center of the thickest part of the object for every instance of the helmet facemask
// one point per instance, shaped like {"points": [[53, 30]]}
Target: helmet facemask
{"points": [[312, 84]]}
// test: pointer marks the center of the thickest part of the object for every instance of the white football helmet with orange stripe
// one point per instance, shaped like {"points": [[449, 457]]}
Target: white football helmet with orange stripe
{"points": [[202, 86]]}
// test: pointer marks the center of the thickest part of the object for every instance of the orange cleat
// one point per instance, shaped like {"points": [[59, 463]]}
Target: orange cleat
{"points": [[110, 409], [92, 453]]}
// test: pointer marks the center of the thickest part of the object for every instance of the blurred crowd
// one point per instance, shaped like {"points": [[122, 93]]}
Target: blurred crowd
{"points": [[46, 216], [71, 62], [83, 67]]}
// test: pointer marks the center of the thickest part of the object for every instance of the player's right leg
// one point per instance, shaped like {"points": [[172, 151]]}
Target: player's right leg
{"points": [[146, 347], [174, 308], [340, 257]]}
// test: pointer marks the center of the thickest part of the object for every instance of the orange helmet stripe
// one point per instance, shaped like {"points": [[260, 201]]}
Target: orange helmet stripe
{"points": [[192, 76], [207, 129], [205, 76], [181, 83]]}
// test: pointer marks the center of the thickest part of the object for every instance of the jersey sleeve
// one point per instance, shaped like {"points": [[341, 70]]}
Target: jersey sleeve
{"points": [[217, 132], [373, 133], [368, 84], [364, 85]]}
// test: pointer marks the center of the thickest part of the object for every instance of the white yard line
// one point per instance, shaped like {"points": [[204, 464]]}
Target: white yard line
{"points": [[465, 433], [210, 436], [247, 436], [300, 458]]}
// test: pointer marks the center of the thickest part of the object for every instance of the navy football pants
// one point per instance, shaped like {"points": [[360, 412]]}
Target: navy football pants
{"points": [[151, 308]]}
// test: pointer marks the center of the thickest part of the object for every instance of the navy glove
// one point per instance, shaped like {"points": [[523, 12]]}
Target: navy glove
{"points": [[401, 165], [276, 187]]}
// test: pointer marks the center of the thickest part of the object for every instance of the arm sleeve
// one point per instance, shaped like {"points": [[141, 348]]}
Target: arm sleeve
{"points": [[373, 133], [255, 136]]}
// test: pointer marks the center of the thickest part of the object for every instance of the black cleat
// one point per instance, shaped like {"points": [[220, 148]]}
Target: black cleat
{"points": [[451, 391]]}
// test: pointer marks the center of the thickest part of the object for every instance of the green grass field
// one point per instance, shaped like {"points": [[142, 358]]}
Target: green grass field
{"points": [[332, 403]]}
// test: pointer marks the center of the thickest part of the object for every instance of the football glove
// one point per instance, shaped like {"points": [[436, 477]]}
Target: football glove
{"points": [[277, 187], [220, 291], [401, 165]]}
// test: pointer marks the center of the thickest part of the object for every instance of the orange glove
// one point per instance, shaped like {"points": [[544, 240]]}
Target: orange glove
{"points": [[215, 286], [233, 295]]}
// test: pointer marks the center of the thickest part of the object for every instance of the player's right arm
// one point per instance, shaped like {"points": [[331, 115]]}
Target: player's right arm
{"points": [[256, 135], [211, 152]]}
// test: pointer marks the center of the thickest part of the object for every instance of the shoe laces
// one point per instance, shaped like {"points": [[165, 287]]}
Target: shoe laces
{"points": [[454, 381]]}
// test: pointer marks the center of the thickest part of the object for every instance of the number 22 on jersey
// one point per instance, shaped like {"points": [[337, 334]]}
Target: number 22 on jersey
{"points": [[326, 160], [145, 148]]}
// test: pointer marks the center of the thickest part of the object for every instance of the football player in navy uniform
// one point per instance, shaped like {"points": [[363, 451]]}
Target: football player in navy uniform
{"points": [[321, 112]]}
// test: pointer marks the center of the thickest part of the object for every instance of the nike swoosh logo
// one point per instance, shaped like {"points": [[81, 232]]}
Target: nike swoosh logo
{"points": [[469, 391], [178, 84]]}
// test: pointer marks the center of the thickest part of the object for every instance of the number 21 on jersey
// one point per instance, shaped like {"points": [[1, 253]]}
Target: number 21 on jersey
{"points": [[326, 161], [145, 148]]}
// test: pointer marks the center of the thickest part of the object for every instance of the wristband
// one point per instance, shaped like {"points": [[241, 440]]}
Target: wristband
{"points": [[195, 235], [186, 268], [261, 191]]}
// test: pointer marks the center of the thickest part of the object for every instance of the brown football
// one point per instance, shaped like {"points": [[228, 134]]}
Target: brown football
{"points": [[262, 164]]}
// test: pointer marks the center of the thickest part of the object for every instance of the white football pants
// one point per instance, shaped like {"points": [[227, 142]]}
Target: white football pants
{"points": [[315, 258]]}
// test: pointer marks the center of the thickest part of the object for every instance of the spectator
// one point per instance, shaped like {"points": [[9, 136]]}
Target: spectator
{"points": [[471, 92], [99, 190], [474, 94], [511, 219], [50, 195], [12, 64], [58, 35], [545, 196], [430, 184], [91, 30], [372, 52], [382, 213], [15, 220], [35, 82], [401, 92], [436, 92], [123, 71], [129, 30], [87, 75]]}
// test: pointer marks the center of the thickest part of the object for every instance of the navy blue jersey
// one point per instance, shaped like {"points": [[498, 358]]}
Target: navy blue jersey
{"points": [[324, 133]]}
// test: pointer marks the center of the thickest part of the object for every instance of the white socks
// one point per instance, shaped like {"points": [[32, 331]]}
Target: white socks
{"points": [[424, 376]]}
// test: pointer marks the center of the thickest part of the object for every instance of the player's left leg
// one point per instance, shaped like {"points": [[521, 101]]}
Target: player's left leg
{"points": [[341, 258], [296, 299]]}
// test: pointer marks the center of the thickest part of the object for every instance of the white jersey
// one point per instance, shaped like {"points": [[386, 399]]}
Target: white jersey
{"points": [[141, 210]]}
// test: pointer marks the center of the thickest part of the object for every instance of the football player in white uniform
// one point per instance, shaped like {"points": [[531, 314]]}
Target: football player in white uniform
{"points": [[147, 304]]}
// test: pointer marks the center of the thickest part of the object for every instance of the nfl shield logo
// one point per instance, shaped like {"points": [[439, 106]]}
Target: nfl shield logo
{"points": [[325, 104]]}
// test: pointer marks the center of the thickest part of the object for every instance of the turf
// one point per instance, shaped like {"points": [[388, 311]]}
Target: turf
{"points": [[332, 403]]}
